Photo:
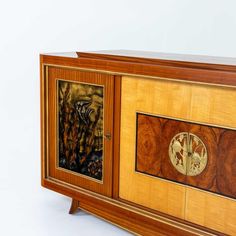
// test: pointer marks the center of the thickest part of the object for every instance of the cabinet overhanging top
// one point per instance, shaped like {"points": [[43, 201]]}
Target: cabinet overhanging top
{"points": [[147, 57], [203, 69]]}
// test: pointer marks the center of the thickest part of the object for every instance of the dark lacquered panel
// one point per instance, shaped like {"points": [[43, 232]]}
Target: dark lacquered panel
{"points": [[80, 126]]}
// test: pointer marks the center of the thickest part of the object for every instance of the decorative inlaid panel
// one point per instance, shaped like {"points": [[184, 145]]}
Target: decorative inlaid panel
{"points": [[80, 126], [188, 153], [199, 155]]}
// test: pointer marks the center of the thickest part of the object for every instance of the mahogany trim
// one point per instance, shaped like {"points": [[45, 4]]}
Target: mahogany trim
{"points": [[178, 60], [116, 140], [184, 74], [127, 216], [172, 217]]}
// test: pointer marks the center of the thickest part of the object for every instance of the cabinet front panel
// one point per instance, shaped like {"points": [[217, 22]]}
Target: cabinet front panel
{"points": [[207, 106], [80, 115]]}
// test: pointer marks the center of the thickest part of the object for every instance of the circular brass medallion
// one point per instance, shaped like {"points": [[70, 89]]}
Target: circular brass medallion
{"points": [[188, 154]]}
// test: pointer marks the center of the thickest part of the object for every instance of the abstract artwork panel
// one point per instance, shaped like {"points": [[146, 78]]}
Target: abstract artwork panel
{"points": [[80, 128]]}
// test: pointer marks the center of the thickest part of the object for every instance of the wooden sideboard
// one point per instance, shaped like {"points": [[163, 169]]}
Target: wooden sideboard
{"points": [[146, 141]]}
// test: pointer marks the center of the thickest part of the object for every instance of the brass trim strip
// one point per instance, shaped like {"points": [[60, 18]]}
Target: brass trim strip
{"points": [[141, 76], [185, 120]]}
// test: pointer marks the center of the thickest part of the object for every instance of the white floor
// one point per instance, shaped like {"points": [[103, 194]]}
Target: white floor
{"points": [[32, 210], [26, 208]]}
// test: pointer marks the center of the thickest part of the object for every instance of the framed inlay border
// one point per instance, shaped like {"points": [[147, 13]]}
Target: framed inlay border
{"points": [[174, 175]]}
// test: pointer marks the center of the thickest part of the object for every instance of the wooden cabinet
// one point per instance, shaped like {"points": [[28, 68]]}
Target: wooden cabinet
{"points": [[144, 140]]}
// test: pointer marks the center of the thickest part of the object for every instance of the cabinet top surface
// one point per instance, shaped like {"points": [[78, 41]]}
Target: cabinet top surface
{"points": [[147, 56]]}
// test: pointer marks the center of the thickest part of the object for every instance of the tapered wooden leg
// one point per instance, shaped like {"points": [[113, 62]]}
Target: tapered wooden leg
{"points": [[74, 206]]}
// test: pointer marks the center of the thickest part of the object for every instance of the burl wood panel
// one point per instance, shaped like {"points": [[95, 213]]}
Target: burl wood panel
{"points": [[154, 134], [226, 171], [192, 102], [153, 138], [55, 73]]}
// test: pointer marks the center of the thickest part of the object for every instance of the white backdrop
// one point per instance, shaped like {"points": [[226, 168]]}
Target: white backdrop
{"points": [[29, 27]]}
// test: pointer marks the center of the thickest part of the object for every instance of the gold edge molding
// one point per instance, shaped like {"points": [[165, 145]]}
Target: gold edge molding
{"points": [[140, 76], [57, 134], [125, 206]]}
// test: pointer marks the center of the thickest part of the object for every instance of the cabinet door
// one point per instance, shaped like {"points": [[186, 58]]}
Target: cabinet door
{"points": [[79, 128], [167, 128]]}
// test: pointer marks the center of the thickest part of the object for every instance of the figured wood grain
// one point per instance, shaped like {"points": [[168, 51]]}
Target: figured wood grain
{"points": [[148, 191], [197, 103], [148, 152], [104, 187], [147, 57], [154, 134], [116, 128], [125, 215], [43, 127], [74, 206], [226, 171], [211, 211]]}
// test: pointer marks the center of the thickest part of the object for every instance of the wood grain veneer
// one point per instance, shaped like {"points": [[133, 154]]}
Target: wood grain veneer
{"points": [[211, 73], [172, 59], [211, 211], [116, 128], [134, 219], [196, 103], [154, 135], [192, 88]]}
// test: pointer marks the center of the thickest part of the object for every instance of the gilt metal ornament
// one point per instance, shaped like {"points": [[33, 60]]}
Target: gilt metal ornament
{"points": [[188, 154]]}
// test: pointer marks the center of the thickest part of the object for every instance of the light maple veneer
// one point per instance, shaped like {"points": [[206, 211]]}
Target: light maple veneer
{"points": [[211, 211], [193, 102]]}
